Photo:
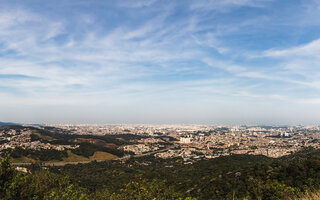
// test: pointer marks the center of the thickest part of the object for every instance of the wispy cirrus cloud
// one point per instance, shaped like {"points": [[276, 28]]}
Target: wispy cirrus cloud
{"points": [[311, 49], [227, 4], [137, 4], [121, 54]]}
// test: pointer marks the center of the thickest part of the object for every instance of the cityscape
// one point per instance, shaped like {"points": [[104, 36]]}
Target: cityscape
{"points": [[190, 142], [160, 100]]}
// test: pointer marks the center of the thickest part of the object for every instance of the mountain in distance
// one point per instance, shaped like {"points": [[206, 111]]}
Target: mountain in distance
{"points": [[7, 124]]}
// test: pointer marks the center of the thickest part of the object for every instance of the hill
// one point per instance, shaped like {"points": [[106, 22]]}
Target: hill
{"points": [[29, 144], [7, 124], [230, 177]]}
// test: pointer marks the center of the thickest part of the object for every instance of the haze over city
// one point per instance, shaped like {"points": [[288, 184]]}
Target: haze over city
{"points": [[214, 62]]}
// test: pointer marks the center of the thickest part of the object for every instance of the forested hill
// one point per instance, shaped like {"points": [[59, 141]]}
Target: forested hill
{"points": [[48, 144], [230, 177], [7, 124]]}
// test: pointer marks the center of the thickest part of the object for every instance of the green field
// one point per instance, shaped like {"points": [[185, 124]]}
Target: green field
{"points": [[43, 137], [98, 155], [23, 159], [74, 158]]}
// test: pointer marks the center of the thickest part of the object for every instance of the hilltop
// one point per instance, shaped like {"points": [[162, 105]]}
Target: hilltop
{"points": [[28, 144], [7, 124]]}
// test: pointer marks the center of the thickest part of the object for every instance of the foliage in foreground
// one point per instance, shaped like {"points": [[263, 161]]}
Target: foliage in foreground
{"points": [[46, 185], [309, 196], [232, 177]]}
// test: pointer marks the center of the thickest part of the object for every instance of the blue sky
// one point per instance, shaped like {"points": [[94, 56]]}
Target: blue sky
{"points": [[160, 61]]}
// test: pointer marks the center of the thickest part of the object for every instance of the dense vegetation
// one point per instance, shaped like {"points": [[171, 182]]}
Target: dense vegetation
{"points": [[42, 184], [42, 155], [62, 136], [88, 150], [231, 177], [236, 176]]}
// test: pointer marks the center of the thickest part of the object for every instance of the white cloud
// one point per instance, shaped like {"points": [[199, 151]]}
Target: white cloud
{"points": [[311, 49], [310, 101], [219, 5], [95, 62], [298, 64], [137, 3], [160, 58]]}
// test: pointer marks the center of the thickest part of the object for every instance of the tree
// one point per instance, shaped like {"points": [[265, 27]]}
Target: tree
{"points": [[143, 189], [7, 174], [70, 193]]}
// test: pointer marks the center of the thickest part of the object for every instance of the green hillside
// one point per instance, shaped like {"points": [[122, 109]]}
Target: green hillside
{"points": [[231, 177]]}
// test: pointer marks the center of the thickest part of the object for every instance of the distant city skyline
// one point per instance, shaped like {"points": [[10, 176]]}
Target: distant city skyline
{"points": [[160, 62]]}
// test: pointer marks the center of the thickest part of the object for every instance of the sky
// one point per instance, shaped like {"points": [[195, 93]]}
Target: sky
{"points": [[160, 61]]}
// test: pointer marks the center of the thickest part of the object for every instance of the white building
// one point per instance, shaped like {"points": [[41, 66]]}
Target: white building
{"points": [[185, 140]]}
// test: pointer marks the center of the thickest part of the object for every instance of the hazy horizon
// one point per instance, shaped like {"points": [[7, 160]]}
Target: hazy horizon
{"points": [[159, 62], [159, 124]]}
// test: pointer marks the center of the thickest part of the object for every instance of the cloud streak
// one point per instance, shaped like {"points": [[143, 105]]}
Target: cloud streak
{"points": [[158, 52]]}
